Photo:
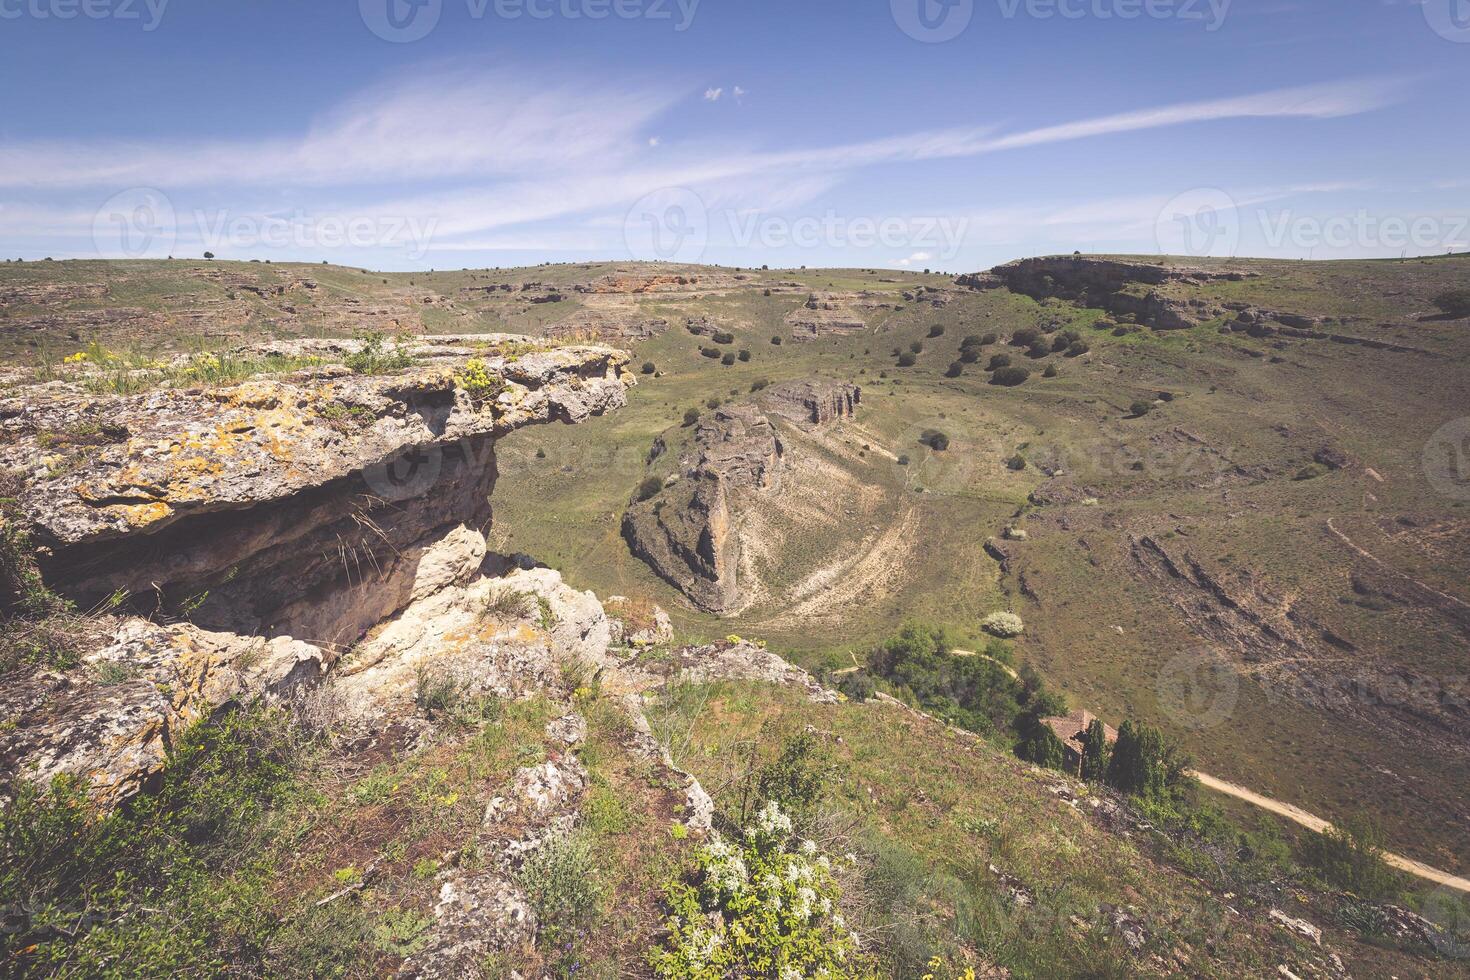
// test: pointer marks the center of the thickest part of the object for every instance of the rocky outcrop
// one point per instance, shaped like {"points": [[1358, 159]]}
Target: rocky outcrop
{"points": [[685, 533], [284, 517], [1122, 287], [297, 505], [833, 314], [611, 325], [812, 403]]}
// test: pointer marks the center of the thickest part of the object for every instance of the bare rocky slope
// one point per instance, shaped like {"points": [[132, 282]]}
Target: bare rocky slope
{"points": [[687, 532]]}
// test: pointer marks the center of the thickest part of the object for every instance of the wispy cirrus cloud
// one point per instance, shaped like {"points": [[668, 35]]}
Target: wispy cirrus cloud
{"points": [[484, 152]]}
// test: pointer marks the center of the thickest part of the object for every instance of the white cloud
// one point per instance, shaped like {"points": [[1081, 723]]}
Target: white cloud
{"points": [[914, 259], [713, 94]]}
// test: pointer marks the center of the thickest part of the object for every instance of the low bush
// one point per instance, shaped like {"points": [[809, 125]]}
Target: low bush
{"points": [[936, 331], [999, 361], [763, 905], [723, 337], [1010, 376], [956, 368], [649, 367], [1025, 337], [1453, 302], [907, 359], [560, 882], [1140, 408], [649, 488], [1003, 624], [1350, 856]]}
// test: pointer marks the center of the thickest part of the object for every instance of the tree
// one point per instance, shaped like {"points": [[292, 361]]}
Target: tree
{"points": [[744, 355], [999, 361], [209, 255], [1141, 408], [1045, 749], [728, 359], [1096, 752], [1140, 764], [648, 367], [1025, 337], [1078, 348], [1454, 302], [917, 347], [971, 340], [937, 330], [969, 355], [907, 359], [776, 341], [690, 417], [1350, 856], [1050, 372], [955, 370]]}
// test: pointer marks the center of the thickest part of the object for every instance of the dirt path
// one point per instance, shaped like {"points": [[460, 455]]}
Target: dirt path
{"points": [[1452, 600], [1311, 822], [1293, 813]]}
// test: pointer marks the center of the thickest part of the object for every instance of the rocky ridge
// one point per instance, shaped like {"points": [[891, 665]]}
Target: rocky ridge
{"points": [[685, 533]]}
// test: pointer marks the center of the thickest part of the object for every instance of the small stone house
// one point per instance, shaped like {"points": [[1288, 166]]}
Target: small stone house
{"points": [[1071, 730]]}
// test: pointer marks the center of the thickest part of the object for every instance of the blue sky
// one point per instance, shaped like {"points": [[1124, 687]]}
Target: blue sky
{"points": [[951, 134]]}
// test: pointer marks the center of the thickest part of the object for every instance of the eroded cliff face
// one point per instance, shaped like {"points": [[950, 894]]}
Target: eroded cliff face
{"points": [[687, 532], [242, 537]]}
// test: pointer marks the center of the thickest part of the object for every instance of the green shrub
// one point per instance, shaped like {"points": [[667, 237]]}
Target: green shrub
{"points": [[691, 416], [170, 885], [373, 357], [1350, 856], [649, 488], [560, 882], [1077, 348], [1453, 302], [998, 361], [766, 905], [1096, 752], [776, 341], [936, 331], [743, 356], [1140, 408], [935, 440], [857, 686], [713, 353], [649, 367], [971, 341], [917, 347], [723, 337], [1050, 372], [969, 355], [1025, 337], [907, 359], [1010, 376], [956, 369]]}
